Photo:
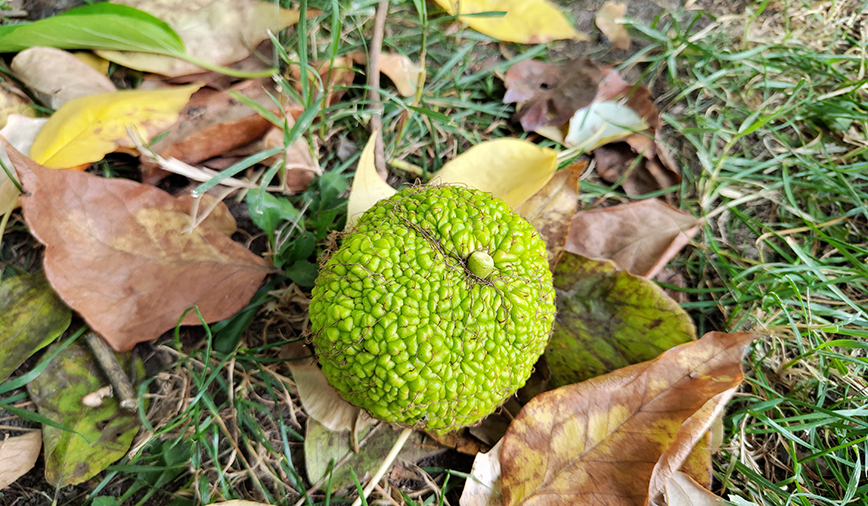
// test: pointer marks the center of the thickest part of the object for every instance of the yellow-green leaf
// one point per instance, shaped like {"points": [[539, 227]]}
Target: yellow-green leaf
{"points": [[87, 128], [97, 436], [31, 316], [523, 21], [368, 187], [511, 169]]}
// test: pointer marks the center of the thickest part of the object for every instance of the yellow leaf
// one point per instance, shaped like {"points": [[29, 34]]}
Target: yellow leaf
{"points": [[101, 65], [511, 169], [87, 128], [525, 21], [368, 187]]}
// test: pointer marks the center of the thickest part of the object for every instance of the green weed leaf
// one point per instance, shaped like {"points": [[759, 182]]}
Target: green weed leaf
{"points": [[98, 26]]}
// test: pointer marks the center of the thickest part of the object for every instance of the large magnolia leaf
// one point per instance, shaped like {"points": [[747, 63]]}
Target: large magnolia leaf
{"points": [[608, 319], [98, 435], [18, 455], [523, 21], [31, 316], [87, 128], [218, 32], [641, 237], [120, 253], [617, 439]]}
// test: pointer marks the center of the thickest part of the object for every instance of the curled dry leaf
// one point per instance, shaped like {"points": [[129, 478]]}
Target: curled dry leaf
{"points": [[525, 21], [641, 237], [551, 208], [607, 21], [483, 487], [682, 490], [578, 103], [640, 163], [122, 255], [87, 128], [56, 76], [18, 455], [210, 124], [21, 131], [403, 71], [551, 94], [320, 400], [617, 439], [219, 32], [608, 319], [337, 74]]}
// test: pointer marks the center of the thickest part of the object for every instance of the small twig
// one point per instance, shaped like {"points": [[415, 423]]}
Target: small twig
{"points": [[373, 70], [387, 463], [110, 366]]}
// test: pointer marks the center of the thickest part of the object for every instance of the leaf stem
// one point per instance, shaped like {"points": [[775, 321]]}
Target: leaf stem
{"points": [[244, 74]]}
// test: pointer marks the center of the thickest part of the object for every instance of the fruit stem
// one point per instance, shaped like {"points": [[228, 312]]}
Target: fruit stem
{"points": [[480, 264], [387, 463]]}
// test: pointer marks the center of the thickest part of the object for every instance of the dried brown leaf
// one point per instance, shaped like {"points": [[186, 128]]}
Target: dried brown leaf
{"points": [[18, 455], [56, 76], [607, 21], [211, 124], [640, 237], [483, 488], [617, 439], [551, 209], [320, 400], [120, 253]]}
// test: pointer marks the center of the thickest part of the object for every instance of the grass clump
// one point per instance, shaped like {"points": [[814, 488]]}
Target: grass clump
{"points": [[769, 105]]}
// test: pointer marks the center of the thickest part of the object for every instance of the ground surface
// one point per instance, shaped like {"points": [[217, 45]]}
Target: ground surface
{"points": [[763, 105]]}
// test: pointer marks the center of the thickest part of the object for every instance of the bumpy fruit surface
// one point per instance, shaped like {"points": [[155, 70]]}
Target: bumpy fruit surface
{"points": [[412, 329]]}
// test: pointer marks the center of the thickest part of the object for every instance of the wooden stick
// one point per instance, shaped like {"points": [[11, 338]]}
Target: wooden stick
{"points": [[373, 70], [107, 360]]}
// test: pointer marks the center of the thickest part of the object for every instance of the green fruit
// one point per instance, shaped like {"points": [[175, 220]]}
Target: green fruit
{"points": [[435, 308]]}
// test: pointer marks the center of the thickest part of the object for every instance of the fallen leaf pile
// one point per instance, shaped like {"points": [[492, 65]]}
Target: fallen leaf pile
{"points": [[619, 410]]}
